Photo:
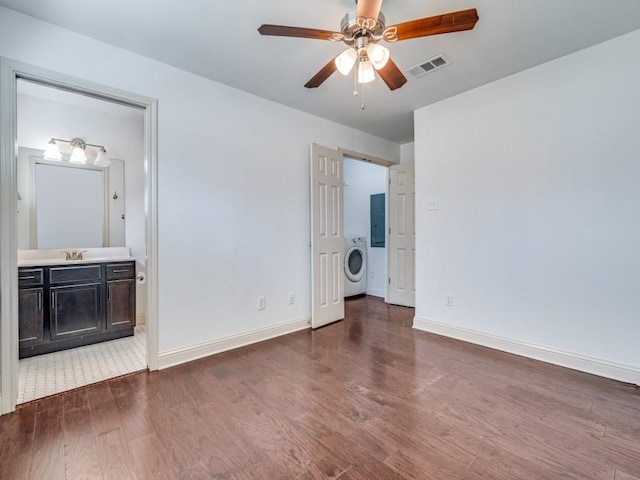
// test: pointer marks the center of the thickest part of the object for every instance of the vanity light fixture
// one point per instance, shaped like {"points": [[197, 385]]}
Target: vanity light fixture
{"points": [[102, 160], [52, 152], [78, 156]]}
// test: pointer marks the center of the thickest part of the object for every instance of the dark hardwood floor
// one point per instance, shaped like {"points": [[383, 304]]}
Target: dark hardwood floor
{"points": [[366, 398]]}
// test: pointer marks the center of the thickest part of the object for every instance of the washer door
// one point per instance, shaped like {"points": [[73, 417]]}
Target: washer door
{"points": [[354, 264]]}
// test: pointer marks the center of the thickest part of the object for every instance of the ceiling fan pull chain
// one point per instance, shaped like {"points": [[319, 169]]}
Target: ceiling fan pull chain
{"points": [[355, 82], [363, 105]]}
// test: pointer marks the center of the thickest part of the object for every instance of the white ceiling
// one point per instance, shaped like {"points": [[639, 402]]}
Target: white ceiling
{"points": [[218, 39]]}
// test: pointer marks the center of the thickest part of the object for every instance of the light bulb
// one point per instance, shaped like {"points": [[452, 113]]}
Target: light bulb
{"points": [[101, 159], [365, 72], [346, 60], [52, 152], [78, 156], [378, 55]]}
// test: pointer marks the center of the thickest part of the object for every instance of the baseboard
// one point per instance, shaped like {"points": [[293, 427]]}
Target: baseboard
{"points": [[376, 293], [583, 363], [193, 352]]}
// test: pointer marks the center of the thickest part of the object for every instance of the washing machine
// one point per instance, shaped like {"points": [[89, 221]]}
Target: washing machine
{"points": [[355, 266]]}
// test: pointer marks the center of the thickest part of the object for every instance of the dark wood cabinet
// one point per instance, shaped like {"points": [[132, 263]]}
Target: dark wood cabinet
{"points": [[65, 306], [31, 314], [75, 310], [121, 304], [30, 306]]}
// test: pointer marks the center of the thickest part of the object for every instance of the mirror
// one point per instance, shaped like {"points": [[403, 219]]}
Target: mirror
{"points": [[62, 205]]}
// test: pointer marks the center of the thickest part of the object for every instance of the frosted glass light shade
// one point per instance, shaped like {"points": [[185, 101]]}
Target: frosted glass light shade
{"points": [[78, 156], [52, 152], [101, 159], [365, 72], [346, 60], [378, 55]]}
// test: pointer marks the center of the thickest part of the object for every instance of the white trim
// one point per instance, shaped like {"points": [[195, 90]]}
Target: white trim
{"points": [[365, 157], [374, 292], [583, 363], [8, 240], [151, 232], [193, 352], [10, 70]]}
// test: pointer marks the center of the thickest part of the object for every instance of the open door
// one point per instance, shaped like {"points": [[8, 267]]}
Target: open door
{"points": [[327, 240], [401, 288]]}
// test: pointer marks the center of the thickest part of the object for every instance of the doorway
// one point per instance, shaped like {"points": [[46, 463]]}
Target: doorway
{"points": [[63, 205], [362, 181], [12, 73], [328, 230]]}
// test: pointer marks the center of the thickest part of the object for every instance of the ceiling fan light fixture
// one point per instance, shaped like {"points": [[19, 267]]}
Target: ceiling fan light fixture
{"points": [[346, 60], [365, 72], [378, 55]]}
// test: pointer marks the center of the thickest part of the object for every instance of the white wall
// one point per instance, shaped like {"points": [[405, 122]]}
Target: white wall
{"points": [[537, 235], [363, 179], [40, 119], [233, 184], [408, 153]]}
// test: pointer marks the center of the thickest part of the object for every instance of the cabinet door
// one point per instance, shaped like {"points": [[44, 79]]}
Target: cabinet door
{"points": [[30, 316], [121, 304], [75, 310]]}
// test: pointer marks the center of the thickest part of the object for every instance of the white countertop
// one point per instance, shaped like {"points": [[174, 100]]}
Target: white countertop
{"points": [[37, 258], [61, 261]]}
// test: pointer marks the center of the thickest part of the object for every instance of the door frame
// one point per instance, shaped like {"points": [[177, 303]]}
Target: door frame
{"points": [[383, 163], [10, 72]]}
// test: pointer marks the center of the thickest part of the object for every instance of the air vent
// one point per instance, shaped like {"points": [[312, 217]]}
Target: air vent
{"points": [[428, 66]]}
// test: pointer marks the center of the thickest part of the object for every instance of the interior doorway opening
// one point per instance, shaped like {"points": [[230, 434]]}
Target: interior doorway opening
{"points": [[328, 261], [365, 254], [66, 205], [12, 73]]}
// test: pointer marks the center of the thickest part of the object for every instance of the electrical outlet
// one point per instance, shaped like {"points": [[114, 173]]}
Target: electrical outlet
{"points": [[262, 303], [372, 274], [448, 300], [292, 298], [432, 204]]}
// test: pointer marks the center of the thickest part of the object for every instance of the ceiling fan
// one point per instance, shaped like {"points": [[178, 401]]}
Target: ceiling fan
{"points": [[363, 30]]}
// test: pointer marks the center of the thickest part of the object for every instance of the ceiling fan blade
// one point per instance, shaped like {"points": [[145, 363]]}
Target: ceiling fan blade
{"points": [[392, 76], [283, 31], [324, 73], [447, 23], [368, 8]]}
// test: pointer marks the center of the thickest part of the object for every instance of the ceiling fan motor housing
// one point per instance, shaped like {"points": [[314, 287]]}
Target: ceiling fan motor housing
{"points": [[352, 27]]}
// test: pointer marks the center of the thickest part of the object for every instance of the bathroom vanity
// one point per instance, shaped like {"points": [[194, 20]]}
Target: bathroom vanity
{"points": [[64, 304]]}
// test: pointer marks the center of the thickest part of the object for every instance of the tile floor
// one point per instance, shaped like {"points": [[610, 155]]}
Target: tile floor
{"points": [[57, 372]]}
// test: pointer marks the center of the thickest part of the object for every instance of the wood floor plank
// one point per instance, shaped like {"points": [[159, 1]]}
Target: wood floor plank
{"points": [[17, 442], [48, 452], [115, 456], [82, 457], [149, 458], [367, 398]]}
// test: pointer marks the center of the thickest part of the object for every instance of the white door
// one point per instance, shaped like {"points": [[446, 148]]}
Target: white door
{"points": [[327, 277], [402, 236]]}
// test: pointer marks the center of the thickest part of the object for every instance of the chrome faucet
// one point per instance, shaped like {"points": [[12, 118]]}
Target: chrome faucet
{"points": [[73, 254]]}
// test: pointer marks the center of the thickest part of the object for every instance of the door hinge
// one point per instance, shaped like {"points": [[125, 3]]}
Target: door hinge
{"points": [[389, 280]]}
